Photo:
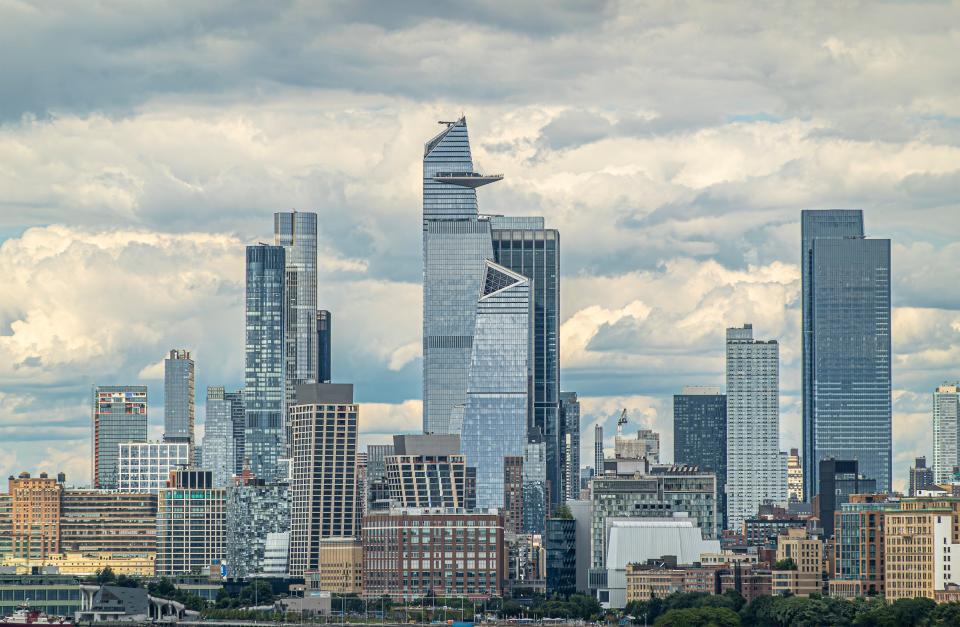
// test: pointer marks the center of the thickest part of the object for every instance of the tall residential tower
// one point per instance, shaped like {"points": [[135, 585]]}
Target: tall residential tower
{"points": [[178, 397], [119, 415]]}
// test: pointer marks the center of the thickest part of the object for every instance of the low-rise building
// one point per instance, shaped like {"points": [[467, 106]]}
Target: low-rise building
{"points": [[56, 595], [750, 581], [141, 565], [340, 567], [191, 523], [413, 553], [659, 580], [108, 521]]}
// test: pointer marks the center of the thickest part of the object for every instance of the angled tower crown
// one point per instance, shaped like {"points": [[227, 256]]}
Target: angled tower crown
{"points": [[496, 278]]}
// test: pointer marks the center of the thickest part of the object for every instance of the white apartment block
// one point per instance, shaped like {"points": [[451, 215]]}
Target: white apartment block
{"points": [[756, 469], [946, 400]]}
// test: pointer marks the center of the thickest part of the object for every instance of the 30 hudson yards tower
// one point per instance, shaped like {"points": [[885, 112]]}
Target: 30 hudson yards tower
{"points": [[463, 249], [265, 370], [847, 408]]}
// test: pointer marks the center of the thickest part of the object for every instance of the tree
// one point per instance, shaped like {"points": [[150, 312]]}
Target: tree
{"points": [[563, 512], [699, 617], [785, 564], [105, 576]]}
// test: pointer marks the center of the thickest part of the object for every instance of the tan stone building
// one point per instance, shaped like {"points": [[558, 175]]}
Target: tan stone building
{"points": [[919, 549], [34, 516], [339, 567], [89, 563], [807, 553]]}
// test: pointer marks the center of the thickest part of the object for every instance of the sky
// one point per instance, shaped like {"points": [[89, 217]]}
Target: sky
{"points": [[673, 144]]}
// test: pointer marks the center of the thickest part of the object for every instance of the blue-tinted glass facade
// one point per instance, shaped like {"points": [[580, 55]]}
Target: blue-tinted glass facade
{"points": [[700, 436], [846, 350], [324, 345], [265, 371], [526, 247], [455, 244], [178, 397], [218, 447], [238, 414], [495, 413]]}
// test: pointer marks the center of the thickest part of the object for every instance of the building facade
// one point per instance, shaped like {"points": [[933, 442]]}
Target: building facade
{"points": [[427, 471], [794, 477], [847, 405], [570, 445], [807, 554], [94, 522], [700, 433], [254, 511], [323, 488], [324, 346], [146, 466], [296, 231], [494, 418], [119, 415], [412, 554], [673, 489], [218, 444], [266, 361], [191, 524], [340, 567], [527, 247], [598, 449], [561, 546], [839, 478], [756, 472], [34, 516], [179, 395], [860, 544], [946, 408], [921, 477], [645, 446]]}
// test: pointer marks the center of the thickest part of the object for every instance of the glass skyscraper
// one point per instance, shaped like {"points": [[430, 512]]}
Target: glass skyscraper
{"points": [[700, 434], [296, 231], [218, 447], [495, 413], [847, 406], [525, 246], [119, 415], [178, 397], [265, 371], [456, 242], [324, 345]]}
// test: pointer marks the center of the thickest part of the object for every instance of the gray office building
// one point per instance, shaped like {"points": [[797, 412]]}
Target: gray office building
{"points": [[218, 444], [847, 406], [238, 416], [700, 434], [119, 415], [265, 372], [178, 397], [527, 247], [324, 346], [570, 445]]}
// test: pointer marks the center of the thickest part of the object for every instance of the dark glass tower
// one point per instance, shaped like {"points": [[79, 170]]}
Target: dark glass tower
{"points": [[324, 338], [265, 372], [570, 444], [700, 434], [526, 247], [847, 407]]}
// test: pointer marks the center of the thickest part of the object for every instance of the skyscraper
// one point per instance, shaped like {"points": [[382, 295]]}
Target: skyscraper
{"points": [[178, 397], [324, 345], [598, 449], [238, 416], [456, 244], [525, 246], [296, 231], [756, 471], [323, 489], [265, 372], [570, 444], [119, 415], [946, 409], [218, 446], [700, 434], [847, 407], [494, 423], [795, 476]]}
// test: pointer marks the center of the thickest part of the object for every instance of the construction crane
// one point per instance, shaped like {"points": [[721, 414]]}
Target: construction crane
{"points": [[622, 421]]}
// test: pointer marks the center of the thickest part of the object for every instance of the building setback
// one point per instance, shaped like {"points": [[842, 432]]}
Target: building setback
{"points": [[756, 471], [700, 434], [323, 489], [191, 523], [847, 405], [412, 554], [119, 415], [266, 361], [178, 397]]}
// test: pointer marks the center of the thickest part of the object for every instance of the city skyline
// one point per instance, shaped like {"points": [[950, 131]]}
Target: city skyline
{"points": [[680, 217]]}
